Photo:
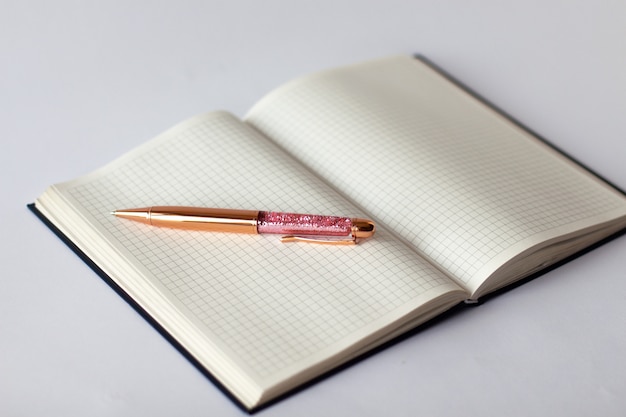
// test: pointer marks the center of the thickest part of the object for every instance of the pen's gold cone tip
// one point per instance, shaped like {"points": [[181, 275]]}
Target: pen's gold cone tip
{"points": [[139, 214]]}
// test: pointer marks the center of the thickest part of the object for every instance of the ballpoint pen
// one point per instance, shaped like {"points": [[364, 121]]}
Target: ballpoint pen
{"points": [[296, 227]]}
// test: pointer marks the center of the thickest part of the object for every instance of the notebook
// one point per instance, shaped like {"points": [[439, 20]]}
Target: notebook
{"points": [[466, 202]]}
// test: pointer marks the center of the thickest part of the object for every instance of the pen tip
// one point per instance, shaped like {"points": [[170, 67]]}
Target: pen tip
{"points": [[113, 212]]}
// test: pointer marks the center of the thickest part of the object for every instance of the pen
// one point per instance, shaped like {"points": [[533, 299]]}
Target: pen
{"points": [[296, 227]]}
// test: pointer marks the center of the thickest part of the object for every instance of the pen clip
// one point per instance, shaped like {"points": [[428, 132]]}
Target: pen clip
{"points": [[323, 240]]}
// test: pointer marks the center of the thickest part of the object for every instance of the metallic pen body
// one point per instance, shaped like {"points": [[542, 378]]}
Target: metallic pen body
{"points": [[297, 227]]}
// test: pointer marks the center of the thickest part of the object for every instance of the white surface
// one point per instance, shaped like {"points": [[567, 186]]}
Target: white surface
{"points": [[81, 82]]}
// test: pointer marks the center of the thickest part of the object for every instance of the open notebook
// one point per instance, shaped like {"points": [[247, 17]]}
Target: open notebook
{"points": [[465, 201]]}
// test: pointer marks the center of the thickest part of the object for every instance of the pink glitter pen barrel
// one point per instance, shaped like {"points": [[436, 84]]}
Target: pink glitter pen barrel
{"points": [[303, 224], [295, 226]]}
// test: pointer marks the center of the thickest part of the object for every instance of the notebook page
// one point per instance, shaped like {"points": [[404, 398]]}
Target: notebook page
{"points": [[463, 185], [269, 309]]}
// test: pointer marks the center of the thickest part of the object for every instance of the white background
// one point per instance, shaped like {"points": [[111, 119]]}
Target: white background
{"points": [[82, 81]]}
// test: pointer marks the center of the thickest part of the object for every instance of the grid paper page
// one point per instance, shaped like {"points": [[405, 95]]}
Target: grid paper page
{"points": [[271, 306], [463, 185]]}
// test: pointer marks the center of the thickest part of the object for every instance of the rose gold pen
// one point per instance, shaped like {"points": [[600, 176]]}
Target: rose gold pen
{"points": [[296, 227]]}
